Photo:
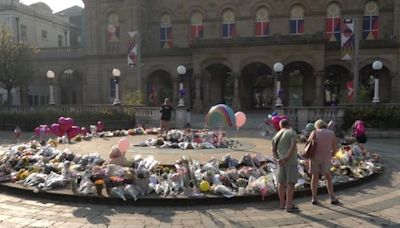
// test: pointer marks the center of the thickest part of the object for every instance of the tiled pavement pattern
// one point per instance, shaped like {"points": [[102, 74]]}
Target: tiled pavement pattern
{"points": [[376, 204]]}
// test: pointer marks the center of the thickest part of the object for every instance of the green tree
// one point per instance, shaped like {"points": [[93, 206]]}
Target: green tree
{"points": [[15, 63]]}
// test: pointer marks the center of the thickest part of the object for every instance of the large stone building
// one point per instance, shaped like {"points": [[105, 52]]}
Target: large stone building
{"points": [[229, 48], [38, 26]]}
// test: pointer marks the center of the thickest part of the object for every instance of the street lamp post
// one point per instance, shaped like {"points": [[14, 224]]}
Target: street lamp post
{"points": [[181, 70], [50, 76], [278, 68], [116, 74], [376, 66]]}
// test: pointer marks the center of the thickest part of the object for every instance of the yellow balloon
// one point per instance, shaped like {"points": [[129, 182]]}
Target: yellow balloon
{"points": [[204, 186]]}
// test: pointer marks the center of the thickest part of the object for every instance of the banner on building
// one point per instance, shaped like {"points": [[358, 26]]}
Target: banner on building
{"points": [[350, 90], [347, 39], [132, 49]]}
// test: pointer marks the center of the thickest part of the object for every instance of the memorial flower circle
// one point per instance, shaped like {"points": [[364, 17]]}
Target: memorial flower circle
{"points": [[43, 166]]}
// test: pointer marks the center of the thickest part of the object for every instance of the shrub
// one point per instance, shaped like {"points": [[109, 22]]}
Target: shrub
{"points": [[374, 117], [28, 121], [133, 98]]}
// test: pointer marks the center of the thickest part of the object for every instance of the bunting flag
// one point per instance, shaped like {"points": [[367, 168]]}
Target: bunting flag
{"points": [[347, 39], [262, 28], [370, 27], [229, 30], [196, 31], [350, 90], [113, 33], [132, 49], [332, 29], [296, 26], [166, 37]]}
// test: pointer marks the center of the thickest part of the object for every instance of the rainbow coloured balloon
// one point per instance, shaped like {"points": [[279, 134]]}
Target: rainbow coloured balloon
{"points": [[220, 116]]}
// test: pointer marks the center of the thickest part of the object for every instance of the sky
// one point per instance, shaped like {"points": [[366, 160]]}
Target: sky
{"points": [[56, 5]]}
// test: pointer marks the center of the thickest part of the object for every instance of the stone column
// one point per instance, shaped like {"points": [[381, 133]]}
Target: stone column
{"points": [[319, 96], [376, 98], [207, 90], [198, 103], [236, 97], [175, 82], [395, 88]]}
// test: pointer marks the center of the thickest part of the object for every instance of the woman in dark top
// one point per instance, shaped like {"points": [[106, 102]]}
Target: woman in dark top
{"points": [[166, 112]]}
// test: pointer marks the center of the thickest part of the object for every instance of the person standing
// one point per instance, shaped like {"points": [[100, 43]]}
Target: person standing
{"points": [[326, 146], [285, 152], [166, 113]]}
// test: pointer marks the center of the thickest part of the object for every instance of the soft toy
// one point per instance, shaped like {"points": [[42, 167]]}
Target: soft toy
{"points": [[116, 157]]}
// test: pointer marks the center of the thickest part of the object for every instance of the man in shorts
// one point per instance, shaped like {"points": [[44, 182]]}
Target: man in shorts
{"points": [[285, 152]]}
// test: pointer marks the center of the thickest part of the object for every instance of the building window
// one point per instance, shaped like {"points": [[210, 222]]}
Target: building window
{"points": [[60, 40], [332, 23], [371, 21], [262, 22], [113, 28], [166, 32], [112, 88], [24, 32], [297, 20], [196, 26], [44, 34], [228, 24]]}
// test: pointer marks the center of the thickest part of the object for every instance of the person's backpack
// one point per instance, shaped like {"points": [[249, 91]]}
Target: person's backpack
{"points": [[310, 147]]}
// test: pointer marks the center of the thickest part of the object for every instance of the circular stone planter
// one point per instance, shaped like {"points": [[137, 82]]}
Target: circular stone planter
{"points": [[154, 200], [249, 145]]}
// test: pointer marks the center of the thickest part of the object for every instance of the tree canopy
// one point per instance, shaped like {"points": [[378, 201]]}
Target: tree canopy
{"points": [[16, 67]]}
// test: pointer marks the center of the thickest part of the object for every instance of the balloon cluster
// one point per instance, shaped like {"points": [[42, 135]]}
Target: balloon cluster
{"points": [[65, 125], [42, 131], [276, 119]]}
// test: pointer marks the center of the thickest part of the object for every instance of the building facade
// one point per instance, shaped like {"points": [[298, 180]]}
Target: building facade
{"points": [[38, 26], [229, 49]]}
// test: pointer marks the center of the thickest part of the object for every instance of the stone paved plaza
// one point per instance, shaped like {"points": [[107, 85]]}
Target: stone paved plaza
{"points": [[375, 204]]}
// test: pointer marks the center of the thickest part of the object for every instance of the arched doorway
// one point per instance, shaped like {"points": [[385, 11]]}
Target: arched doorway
{"points": [[159, 87], [257, 86], [70, 85], [366, 84], [335, 85], [298, 84], [222, 84]]}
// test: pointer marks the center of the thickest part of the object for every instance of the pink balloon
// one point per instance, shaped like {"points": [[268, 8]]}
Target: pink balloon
{"points": [[99, 126], [240, 119], [275, 121], [123, 145], [55, 129], [42, 130], [84, 131], [360, 130], [74, 131], [37, 131], [66, 123]]}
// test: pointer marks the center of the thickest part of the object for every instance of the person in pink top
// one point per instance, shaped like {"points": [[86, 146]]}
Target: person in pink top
{"points": [[321, 162]]}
